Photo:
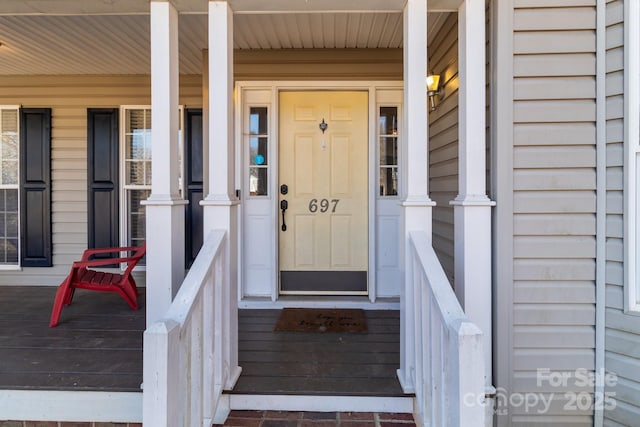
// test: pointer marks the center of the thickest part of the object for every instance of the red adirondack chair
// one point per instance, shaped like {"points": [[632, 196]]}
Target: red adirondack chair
{"points": [[83, 277]]}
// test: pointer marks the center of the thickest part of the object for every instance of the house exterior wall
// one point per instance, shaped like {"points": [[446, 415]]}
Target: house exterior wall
{"points": [[622, 333], [545, 309], [443, 141], [69, 97]]}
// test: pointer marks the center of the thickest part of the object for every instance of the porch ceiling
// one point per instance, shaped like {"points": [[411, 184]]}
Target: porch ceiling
{"points": [[45, 44]]}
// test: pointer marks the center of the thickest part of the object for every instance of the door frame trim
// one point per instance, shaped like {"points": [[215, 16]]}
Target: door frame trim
{"points": [[275, 87]]}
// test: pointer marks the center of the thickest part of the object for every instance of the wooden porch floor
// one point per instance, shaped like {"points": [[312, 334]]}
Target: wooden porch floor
{"points": [[98, 346], [360, 364]]}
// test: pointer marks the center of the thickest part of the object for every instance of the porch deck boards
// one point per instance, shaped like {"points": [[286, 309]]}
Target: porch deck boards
{"points": [[359, 364], [98, 347]]}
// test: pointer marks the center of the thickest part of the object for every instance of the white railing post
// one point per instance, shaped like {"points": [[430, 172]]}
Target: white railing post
{"points": [[161, 379], [466, 351], [184, 352], [449, 361]]}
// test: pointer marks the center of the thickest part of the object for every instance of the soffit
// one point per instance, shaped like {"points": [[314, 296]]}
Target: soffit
{"points": [[120, 44]]}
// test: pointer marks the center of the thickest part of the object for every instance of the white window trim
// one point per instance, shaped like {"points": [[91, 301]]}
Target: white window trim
{"points": [[632, 156], [16, 266]]}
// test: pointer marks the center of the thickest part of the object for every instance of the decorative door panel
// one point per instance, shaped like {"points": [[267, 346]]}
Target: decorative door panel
{"points": [[323, 185]]}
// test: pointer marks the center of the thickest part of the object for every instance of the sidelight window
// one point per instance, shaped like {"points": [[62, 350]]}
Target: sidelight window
{"points": [[257, 137], [388, 141]]}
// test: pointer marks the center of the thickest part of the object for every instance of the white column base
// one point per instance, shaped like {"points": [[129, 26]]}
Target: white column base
{"points": [[165, 253], [472, 237]]}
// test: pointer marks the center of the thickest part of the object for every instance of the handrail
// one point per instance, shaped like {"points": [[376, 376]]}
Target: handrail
{"points": [[183, 369], [449, 361]]}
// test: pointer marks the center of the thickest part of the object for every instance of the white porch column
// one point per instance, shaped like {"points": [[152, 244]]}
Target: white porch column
{"points": [[164, 208], [220, 204], [417, 205], [472, 207]]}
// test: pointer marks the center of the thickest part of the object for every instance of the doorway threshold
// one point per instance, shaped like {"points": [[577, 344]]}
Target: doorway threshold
{"points": [[324, 301]]}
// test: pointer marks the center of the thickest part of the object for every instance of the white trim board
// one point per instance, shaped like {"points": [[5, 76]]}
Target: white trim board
{"points": [[49, 405], [501, 114], [401, 405], [601, 203], [632, 155]]}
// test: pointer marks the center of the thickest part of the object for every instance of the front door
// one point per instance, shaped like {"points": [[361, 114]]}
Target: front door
{"points": [[323, 225]]}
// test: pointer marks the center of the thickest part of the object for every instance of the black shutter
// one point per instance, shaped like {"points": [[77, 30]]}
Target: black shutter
{"points": [[35, 187], [102, 177], [194, 178]]}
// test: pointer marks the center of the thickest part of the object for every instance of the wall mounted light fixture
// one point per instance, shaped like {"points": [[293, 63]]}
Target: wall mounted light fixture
{"points": [[433, 89]]}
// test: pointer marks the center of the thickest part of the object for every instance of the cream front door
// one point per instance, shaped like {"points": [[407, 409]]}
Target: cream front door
{"points": [[323, 157]]}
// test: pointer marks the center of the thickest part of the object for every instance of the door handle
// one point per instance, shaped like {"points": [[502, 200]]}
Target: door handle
{"points": [[284, 205]]}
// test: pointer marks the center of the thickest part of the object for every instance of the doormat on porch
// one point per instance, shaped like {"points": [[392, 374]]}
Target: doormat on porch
{"points": [[321, 320]]}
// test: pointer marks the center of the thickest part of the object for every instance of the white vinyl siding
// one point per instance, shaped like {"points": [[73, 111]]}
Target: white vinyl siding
{"points": [[622, 352], [443, 140], [554, 205], [69, 97]]}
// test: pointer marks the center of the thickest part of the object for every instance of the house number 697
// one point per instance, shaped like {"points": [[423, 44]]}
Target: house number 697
{"points": [[322, 205]]}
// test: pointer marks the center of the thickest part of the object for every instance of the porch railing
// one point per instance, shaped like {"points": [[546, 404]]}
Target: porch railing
{"points": [[183, 362], [449, 360]]}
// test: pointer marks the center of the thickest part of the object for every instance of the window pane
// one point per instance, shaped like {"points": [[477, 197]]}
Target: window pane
{"points": [[147, 172], [9, 226], [9, 172], [389, 181], [138, 130], [135, 120], [388, 120], [11, 200], [135, 172], [258, 150], [136, 217], [258, 120], [9, 146], [258, 181], [9, 121], [389, 151]]}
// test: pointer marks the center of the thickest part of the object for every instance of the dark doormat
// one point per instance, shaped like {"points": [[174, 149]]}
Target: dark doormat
{"points": [[321, 320]]}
